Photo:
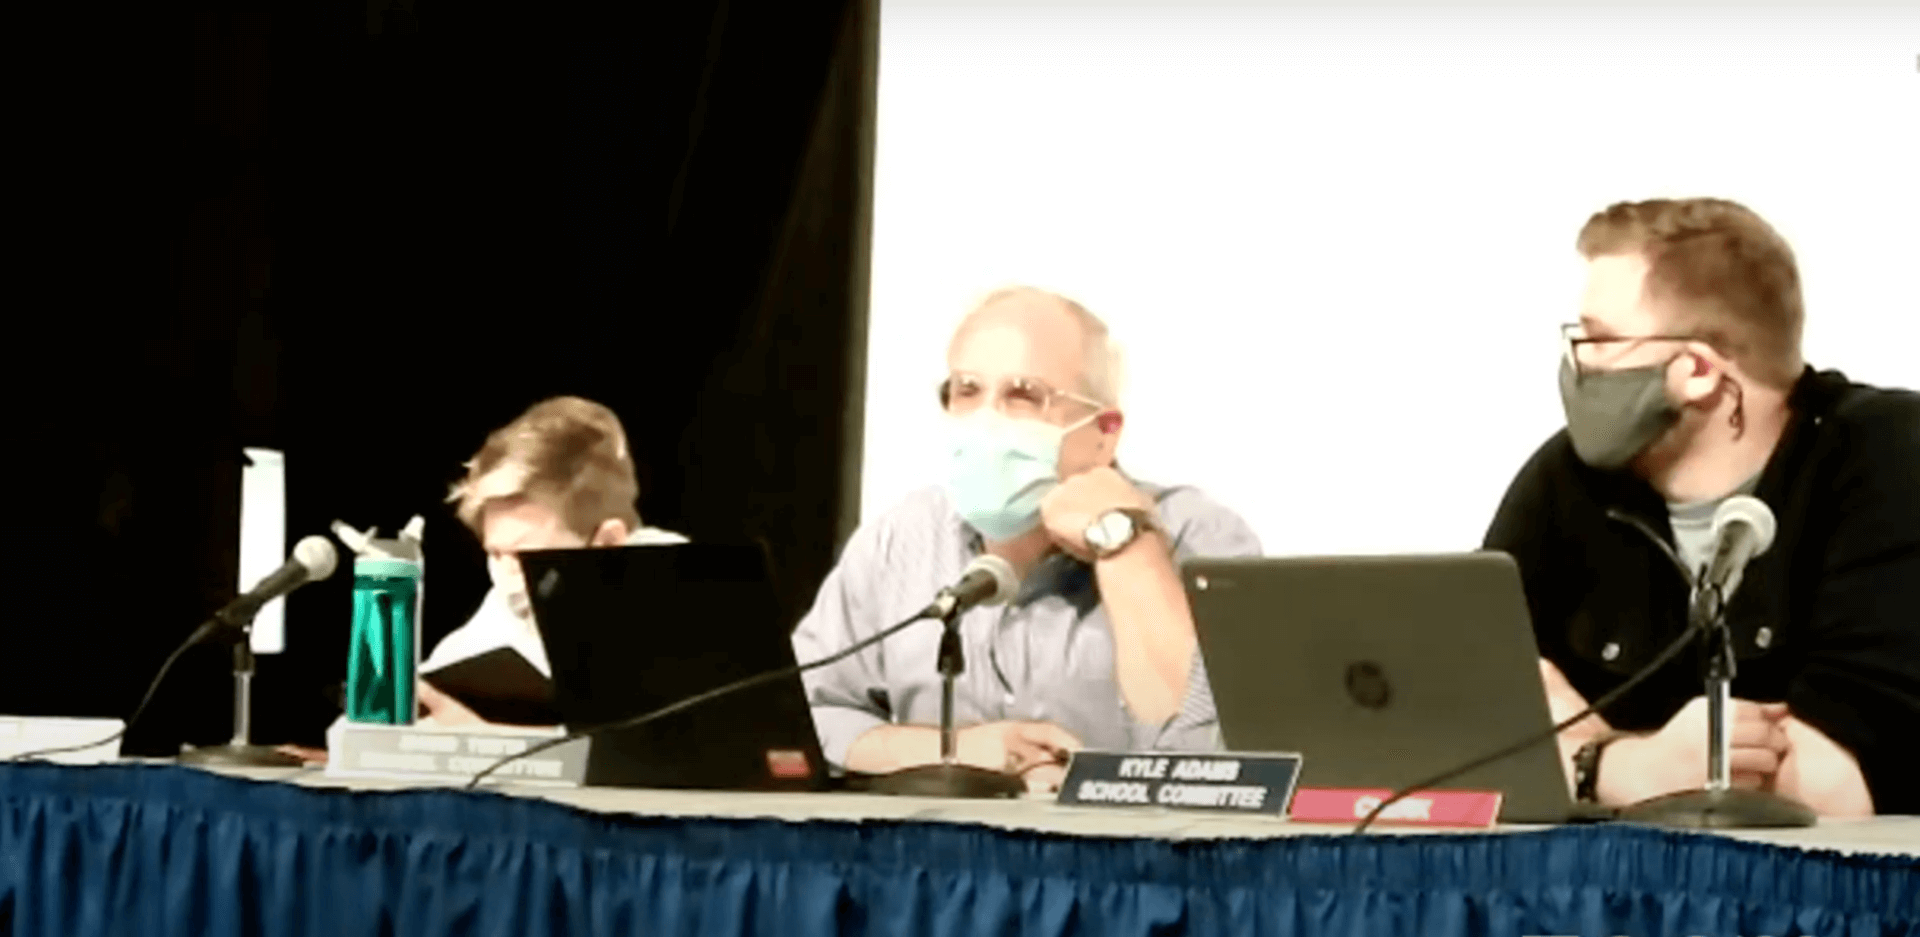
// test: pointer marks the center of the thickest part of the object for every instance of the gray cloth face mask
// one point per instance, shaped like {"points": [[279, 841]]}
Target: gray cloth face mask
{"points": [[1613, 416]]}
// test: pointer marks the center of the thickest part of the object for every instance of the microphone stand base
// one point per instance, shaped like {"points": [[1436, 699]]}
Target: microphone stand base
{"points": [[238, 756], [1719, 810], [947, 781]]}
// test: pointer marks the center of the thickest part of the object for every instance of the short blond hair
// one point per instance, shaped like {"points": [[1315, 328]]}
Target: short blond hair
{"points": [[568, 453], [1729, 275], [1102, 368]]}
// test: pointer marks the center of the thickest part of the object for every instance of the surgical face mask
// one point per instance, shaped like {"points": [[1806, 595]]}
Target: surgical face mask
{"points": [[1000, 469], [1613, 416]]}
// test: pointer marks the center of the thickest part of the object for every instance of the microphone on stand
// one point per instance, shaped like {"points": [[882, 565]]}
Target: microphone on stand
{"points": [[988, 580], [313, 559], [1743, 528]]}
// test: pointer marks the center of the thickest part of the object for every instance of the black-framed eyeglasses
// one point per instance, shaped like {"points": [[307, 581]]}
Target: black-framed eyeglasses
{"points": [[1574, 338]]}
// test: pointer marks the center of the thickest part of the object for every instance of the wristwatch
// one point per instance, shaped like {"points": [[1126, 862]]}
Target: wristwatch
{"points": [[1113, 530], [1586, 766]]}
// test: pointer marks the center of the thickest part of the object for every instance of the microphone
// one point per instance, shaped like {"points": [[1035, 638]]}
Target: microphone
{"points": [[1743, 528], [988, 580], [313, 559]]}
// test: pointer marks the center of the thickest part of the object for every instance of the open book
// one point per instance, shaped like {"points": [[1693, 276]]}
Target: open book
{"points": [[499, 686]]}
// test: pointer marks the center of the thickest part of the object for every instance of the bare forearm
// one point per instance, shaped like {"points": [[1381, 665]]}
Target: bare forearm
{"points": [[1563, 703], [890, 747], [1153, 635]]}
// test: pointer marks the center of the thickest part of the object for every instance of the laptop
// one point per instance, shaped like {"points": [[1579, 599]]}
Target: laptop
{"points": [[1382, 671], [631, 629]]}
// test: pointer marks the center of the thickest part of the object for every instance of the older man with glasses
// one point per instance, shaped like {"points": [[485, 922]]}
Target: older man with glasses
{"points": [[1684, 385], [1098, 648]]}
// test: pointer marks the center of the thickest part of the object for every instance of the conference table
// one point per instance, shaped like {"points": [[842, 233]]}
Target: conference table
{"points": [[159, 849]]}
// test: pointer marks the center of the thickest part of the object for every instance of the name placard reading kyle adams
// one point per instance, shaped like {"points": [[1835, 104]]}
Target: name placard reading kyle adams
{"points": [[1236, 782]]}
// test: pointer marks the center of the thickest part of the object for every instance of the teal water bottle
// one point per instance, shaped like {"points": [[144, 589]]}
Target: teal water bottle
{"points": [[384, 651]]}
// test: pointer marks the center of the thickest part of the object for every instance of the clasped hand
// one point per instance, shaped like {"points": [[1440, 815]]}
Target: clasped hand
{"points": [[1675, 758]]}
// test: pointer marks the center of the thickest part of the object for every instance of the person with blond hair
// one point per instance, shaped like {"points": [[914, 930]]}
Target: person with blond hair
{"points": [[1684, 385], [560, 476]]}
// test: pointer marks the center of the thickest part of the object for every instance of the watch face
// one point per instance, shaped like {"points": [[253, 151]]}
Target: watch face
{"points": [[1111, 530]]}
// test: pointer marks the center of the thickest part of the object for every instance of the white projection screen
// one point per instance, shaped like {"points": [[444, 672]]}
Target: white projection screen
{"points": [[1336, 241]]}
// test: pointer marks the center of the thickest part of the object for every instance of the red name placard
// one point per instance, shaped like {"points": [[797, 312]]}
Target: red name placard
{"points": [[1425, 808]]}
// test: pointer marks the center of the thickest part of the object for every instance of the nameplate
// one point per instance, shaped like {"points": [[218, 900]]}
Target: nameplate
{"points": [[452, 756], [20, 735], [1424, 808], [1237, 783]]}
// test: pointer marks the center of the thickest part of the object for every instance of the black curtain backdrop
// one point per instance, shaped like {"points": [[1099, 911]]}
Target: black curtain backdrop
{"points": [[367, 234]]}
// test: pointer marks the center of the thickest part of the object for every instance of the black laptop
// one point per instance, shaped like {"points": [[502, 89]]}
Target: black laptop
{"points": [[631, 629], [1382, 671]]}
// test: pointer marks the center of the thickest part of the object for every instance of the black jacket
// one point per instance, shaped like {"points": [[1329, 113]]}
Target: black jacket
{"points": [[1827, 620]]}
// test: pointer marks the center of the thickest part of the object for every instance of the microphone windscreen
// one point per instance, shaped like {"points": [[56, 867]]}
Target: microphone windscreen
{"points": [[317, 555], [1749, 510], [1005, 583]]}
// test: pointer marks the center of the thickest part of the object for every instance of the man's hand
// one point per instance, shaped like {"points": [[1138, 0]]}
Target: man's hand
{"points": [[1069, 509], [1819, 773], [1045, 779], [1563, 702], [307, 756], [1675, 758], [1014, 747], [442, 710], [1017, 748]]}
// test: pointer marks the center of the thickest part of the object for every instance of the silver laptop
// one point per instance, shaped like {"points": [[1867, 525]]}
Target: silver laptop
{"points": [[1381, 671]]}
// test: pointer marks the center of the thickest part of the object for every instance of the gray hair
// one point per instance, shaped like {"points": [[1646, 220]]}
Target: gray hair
{"points": [[1101, 369]]}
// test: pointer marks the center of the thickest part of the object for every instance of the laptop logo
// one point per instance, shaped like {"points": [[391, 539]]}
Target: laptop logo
{"points": [[788, 763], [1368, 686]]}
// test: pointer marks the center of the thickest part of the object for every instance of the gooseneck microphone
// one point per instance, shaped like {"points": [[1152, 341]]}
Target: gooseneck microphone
{"points": [[1743, 528], [313, 559], [988, 580]]}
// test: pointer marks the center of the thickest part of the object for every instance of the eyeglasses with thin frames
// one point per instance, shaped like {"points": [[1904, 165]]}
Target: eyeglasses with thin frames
{"points": [[1017, 396]]}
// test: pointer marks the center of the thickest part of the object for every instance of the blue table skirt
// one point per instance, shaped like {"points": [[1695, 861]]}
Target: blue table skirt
{"points": [[153, 850]]}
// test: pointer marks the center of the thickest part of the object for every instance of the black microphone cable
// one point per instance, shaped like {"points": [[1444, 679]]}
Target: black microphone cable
{"points": [[1666, 656], [313, 559], [758, 679], [200, 635]]}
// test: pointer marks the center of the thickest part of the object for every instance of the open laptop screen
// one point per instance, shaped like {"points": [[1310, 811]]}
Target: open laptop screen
{"points": [[631, 629], [1381, 670]]}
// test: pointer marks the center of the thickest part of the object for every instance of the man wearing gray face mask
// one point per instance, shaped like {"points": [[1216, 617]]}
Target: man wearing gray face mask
{"points": [[1683, 385]]}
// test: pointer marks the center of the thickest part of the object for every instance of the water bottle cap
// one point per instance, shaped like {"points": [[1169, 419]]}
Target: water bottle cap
{"points": [[381, 568]]}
